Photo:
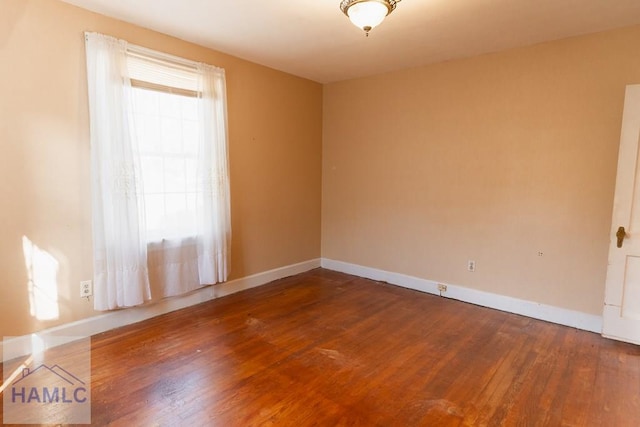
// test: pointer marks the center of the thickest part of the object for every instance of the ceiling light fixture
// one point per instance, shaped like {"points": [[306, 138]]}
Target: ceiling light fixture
{"points": [[367, 14]]}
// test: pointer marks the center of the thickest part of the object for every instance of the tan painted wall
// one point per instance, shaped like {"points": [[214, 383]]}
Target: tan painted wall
{"points": [[275, 127], [493, 158]]}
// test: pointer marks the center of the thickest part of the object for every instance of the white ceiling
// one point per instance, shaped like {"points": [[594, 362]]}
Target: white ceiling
{"points": [[313, 39]]}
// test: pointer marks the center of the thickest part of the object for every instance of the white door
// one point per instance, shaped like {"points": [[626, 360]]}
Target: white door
{"points": [[621, 317]]}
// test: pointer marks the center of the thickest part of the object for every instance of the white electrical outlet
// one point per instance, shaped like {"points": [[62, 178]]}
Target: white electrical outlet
{"points": [[86, 290], [442, 287], [471, 265]]}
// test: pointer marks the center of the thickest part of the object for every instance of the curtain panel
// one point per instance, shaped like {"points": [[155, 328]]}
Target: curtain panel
{"points": [[214, 215], [127, 265]]}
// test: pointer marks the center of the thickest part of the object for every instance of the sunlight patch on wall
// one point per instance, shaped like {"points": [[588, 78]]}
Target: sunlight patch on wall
{"points": [[42, 269]]}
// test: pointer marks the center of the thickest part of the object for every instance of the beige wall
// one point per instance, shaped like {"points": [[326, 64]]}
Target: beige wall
{"points": [[493, 158], [275, 127]]}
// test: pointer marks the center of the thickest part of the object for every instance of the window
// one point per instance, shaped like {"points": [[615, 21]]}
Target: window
{"points": [[159, 172], [167, 137]]}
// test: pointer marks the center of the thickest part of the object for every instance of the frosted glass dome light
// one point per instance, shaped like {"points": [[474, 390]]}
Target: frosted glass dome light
{"points": [[367, 14]]}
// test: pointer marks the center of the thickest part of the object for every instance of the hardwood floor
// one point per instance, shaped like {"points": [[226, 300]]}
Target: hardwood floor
{"points": [[329, 349]]}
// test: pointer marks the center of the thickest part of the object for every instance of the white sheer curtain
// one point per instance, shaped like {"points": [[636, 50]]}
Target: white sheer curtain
{"points": [[126, 259], [214, 217], [119, 242]]}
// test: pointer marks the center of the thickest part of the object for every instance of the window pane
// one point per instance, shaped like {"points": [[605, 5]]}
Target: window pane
{"points": [[154, 210], [148, 133], [190, 136], [175, 175], [176, 205], [152, 174], [191, 166], [189, 108], [180, 219], [169, 106], [167, 131], [145, 101], [171, 135], [152, 134]]}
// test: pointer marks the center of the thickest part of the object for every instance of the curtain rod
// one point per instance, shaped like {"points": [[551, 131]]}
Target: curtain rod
{"points": [[140, 50]]}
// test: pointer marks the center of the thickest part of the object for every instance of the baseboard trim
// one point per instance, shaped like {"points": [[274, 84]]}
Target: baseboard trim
{"points": [[561, 316], [21, 346]]}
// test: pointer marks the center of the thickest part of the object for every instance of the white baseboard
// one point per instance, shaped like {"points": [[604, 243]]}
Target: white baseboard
{"points": [[23, 345], [562, 316]]}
